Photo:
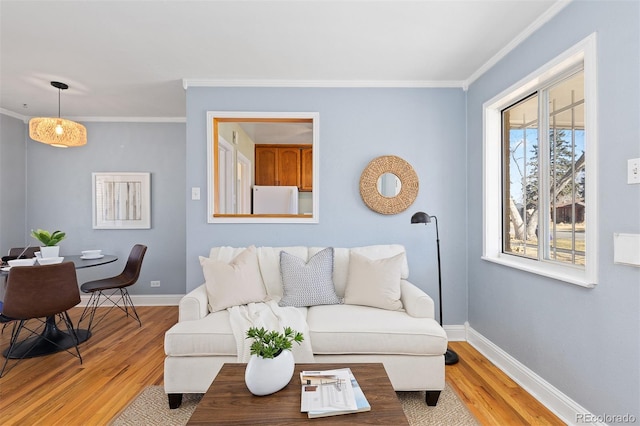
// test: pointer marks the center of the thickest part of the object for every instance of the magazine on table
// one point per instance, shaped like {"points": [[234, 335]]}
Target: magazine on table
{"points": [[331, 393]]}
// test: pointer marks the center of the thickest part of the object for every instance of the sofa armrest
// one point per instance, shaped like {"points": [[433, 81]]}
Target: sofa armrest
{"points": [[194, 305], [416, 302]]}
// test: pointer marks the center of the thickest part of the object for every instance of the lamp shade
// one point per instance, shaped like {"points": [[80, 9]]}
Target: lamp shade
{"points": [[57, 132], [420, 217]]}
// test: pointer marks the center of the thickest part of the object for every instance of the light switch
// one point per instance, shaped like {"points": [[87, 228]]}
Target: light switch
{"points": [[626, 249], [195, 193], [633, 170]]}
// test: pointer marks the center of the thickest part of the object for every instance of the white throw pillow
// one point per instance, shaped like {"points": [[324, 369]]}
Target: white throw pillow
{"points": [[308, 283], [235, 283], [374, 283]]}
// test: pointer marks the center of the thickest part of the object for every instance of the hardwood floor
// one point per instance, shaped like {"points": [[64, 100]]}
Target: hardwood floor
{"points": [[491, 396], [121, 359]]}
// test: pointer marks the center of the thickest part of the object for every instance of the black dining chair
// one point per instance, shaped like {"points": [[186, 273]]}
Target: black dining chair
{"points": [[41, 293], [27, 252], [114, 290], [20, 252]]}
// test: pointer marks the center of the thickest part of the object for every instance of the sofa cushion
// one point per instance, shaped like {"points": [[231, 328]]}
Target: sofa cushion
{"points": [[340, 267], [352, 329], [341, 260], [269, 260], [211, 335], [235, 283], [381, 251], [308, 283], [225, 253], [374, 283]]}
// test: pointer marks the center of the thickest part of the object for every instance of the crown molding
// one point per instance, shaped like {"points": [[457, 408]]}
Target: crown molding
{"points": [[14, 115], [129, 119], [26, 118], [204, 82], [535, 26]]}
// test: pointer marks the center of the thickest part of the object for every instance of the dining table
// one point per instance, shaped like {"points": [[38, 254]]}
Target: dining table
{"points": [[52, 339]]}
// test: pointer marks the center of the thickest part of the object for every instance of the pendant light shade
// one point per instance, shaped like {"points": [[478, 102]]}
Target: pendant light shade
{"points": [[57, 132]]}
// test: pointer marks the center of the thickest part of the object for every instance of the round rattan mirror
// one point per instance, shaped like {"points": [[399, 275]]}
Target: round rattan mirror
{"points": [[370, 184]]}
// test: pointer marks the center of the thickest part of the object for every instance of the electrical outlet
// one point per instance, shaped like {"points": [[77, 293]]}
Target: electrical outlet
{"points": [[155, 283], [633, 170]]}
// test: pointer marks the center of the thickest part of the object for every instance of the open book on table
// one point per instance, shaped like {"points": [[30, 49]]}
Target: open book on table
{"points": [[331, 392]]}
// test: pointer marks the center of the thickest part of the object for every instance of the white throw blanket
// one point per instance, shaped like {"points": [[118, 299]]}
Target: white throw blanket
{"points": [[272, 317]]}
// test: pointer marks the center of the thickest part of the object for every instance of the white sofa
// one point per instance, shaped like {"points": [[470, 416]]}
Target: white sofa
{"points": [[409, 342]]}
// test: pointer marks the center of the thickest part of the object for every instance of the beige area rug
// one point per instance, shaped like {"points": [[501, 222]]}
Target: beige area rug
{"points": [[151, 408]]}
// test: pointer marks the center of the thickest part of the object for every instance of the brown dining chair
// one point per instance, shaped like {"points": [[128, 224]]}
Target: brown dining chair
{"points": [[15, 253], [114, 290], [41, 293]]}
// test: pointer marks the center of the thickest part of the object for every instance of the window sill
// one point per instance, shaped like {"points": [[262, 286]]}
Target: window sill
{"points": [[568, 274]]}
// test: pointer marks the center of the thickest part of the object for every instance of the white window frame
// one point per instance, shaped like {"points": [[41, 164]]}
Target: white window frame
{"points": [[587, 276]]}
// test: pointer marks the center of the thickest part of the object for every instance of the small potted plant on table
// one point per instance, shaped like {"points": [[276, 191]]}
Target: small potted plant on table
{"points": [[271, 365], [49, 240]]}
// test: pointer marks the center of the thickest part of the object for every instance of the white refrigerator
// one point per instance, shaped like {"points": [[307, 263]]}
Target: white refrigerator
{"points": [[275, 199]]}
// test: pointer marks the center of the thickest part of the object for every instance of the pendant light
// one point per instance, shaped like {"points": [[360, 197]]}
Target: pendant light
{"points": [[57, 132]]}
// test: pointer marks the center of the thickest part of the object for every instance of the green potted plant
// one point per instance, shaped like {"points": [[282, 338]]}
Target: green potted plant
{"points": [[49, 240], [269, 344], [271, 365]]}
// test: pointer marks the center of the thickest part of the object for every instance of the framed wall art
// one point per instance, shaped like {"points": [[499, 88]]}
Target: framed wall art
{"points": [[121, 200]]}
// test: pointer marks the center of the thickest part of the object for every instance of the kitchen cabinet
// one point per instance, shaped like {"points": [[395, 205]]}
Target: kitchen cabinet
{"points": [[284, 165], [306, 169]]}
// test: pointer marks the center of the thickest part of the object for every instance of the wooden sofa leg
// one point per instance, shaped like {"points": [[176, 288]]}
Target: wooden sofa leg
{"points": [[175, 400], [432, 398]]}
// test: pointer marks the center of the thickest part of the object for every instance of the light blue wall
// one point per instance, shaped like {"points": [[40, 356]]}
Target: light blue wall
{"points": [[424, 126], [586, 342], [12, 183], [59, 197]]}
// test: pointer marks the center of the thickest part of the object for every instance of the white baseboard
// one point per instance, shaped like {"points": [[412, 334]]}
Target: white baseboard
{"points": [[560, 404], [144, 300], [456, 333]]}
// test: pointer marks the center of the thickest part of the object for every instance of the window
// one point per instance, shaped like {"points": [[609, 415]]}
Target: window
{"points": [[539, 171], [543, 170]]}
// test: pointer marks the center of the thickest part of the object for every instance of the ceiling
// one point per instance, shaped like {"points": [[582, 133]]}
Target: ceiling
{"points": [[133, 59], [279, 133]]}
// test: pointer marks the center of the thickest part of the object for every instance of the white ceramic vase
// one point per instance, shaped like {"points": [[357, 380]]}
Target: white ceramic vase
{"points": [[49, 251], [265, 376]]}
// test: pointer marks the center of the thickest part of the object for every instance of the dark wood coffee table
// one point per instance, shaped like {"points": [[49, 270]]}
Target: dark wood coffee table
{"points": [[229, 402]]}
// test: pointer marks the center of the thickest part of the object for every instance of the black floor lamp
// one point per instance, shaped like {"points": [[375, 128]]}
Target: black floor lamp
{"points": [[450, 357]]}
